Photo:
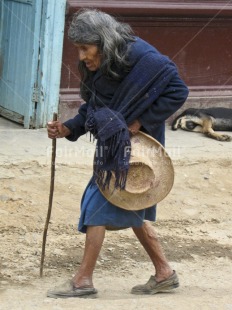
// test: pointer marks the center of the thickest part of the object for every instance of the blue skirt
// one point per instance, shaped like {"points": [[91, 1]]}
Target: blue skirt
{"points": [[97, 211]]}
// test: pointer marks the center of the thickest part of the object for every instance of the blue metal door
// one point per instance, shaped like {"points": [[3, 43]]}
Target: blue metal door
{"points": [[19, 48]]}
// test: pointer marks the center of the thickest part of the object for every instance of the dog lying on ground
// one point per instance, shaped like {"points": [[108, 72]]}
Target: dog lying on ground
{"points": [[206, 121]]}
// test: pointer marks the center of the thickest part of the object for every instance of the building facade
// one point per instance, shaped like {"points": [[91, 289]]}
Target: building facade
{"points": [[196, 35]]}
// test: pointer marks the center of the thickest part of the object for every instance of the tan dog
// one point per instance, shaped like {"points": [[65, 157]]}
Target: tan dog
{"points": [[206, 121]]}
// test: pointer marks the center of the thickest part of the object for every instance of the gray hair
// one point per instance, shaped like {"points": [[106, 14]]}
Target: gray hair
{"points": [[91, 26]]}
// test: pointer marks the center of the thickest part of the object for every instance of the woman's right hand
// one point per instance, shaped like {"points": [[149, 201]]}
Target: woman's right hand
{"points": [[56, 129]]}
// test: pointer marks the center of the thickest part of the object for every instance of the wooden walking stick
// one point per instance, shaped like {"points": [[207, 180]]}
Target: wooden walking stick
{"points": [[53, 159]]}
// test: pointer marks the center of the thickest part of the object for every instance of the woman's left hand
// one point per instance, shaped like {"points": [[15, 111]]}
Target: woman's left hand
{"points": [[134, 127]]}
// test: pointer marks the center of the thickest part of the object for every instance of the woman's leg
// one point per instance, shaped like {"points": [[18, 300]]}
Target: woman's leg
{"points": [[149, 239], [94, 240]]}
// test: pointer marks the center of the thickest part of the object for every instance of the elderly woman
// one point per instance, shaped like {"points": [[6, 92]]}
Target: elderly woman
{"points": [[127, 86]]}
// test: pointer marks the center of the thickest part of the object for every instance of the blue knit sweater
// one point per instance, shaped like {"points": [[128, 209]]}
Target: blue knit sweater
{"points": [[159, 107], [151, 77]]}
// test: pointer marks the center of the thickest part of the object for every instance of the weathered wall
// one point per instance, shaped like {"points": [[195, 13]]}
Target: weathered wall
{"points": [[195, 34]]}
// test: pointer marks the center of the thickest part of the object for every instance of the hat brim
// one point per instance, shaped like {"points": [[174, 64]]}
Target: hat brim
{"points": [[161, 184]]}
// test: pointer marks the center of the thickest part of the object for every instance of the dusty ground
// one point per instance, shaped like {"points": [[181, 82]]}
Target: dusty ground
{"points": [[194, 225]]}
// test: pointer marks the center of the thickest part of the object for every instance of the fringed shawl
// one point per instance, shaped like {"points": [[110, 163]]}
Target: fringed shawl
{"points": [[135, 94]]}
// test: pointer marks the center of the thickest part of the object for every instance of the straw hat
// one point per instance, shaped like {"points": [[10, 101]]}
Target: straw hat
{"points": [[150, 176]]}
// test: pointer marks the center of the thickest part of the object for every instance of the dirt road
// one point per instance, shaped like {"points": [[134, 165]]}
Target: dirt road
{"points": [[194, 224]]}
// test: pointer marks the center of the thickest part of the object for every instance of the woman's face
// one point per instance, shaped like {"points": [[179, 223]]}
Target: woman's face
{"points": [[90, 55]]}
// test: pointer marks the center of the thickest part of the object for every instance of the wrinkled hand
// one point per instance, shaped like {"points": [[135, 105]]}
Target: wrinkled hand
{"points": [[134, 127], [56, 129]]}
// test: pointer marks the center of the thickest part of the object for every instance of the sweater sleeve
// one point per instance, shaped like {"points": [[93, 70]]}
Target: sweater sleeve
{"points": [[171, 99], [77, 124]]}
